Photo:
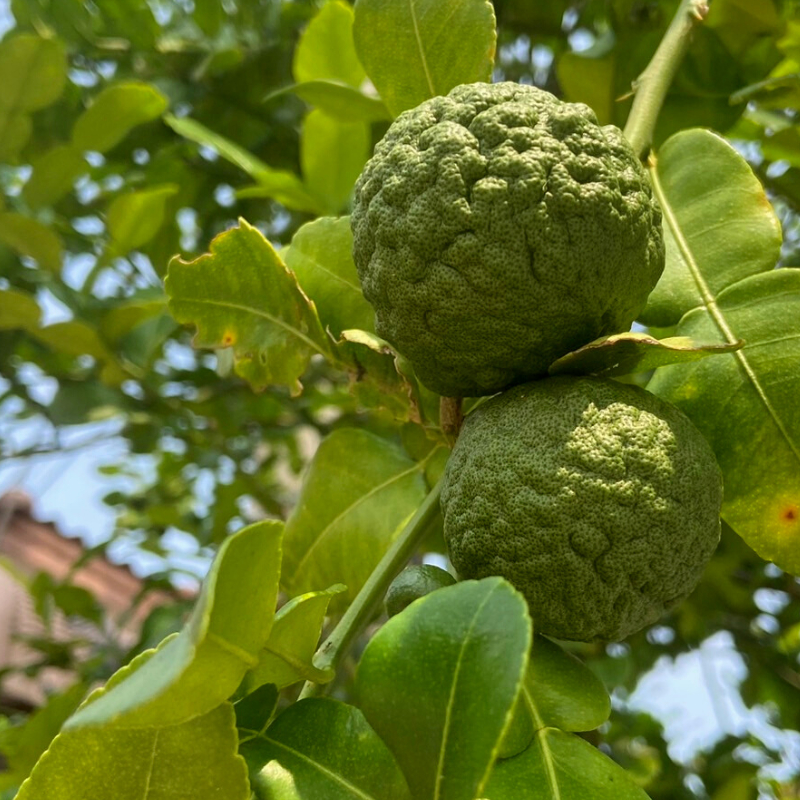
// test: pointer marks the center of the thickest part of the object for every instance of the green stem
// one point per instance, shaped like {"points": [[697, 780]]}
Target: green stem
{"points": [[362, 608], [652, 85]]}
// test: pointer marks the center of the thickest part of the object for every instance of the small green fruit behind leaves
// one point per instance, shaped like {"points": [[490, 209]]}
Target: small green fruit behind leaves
{"points": [[414, 582]]}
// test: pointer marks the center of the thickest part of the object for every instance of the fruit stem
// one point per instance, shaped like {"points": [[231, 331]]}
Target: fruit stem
{"points": [[651, 86], [451, 417], [362, 608]]}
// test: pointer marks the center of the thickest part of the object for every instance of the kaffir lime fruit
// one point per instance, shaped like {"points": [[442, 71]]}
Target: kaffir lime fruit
{"points": [[595, 499], [498, 228], [414, 582]]}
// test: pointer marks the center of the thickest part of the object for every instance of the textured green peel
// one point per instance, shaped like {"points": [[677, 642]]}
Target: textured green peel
{"points": [[498, 228], [597, 500]]}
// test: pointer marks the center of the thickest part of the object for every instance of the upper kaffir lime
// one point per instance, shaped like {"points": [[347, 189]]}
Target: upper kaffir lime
{"points": [[498, 228], [595, 499]]}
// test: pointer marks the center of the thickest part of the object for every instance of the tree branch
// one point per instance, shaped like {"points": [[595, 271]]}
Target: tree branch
{"points": [[361, 610], [651, 86]]}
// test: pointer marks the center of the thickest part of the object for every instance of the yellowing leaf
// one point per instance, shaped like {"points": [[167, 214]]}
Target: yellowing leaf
{"points": [[241, 295]]}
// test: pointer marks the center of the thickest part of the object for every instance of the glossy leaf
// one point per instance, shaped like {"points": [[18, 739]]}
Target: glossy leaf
{"points": [[54, 173], [722, 246], [747, 403], [559, 691], [631, 352], [439, 680], [357, 494], [560, 766], [326, 50], [719, 226], [114, 113], [135, 218], [332, 154], [18, 310], [288, 654], [321, 749], [202, 666], [31, 238], [339, 100], [241, 295], [321, 256], [416, 49], [283, 186]]}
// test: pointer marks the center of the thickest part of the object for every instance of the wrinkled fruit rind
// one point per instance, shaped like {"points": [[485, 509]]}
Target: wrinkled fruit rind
{"points": [[597, 500], [498, 228]]}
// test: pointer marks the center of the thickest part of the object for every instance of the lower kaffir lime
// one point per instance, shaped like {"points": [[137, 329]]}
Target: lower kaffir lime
{"points": [[595, 499]]}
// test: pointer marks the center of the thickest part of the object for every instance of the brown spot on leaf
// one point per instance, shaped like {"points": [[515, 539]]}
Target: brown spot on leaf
{"points": [[228, 339], [790, 513]]}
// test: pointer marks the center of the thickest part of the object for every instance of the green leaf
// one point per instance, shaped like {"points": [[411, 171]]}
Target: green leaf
{"points": [[321, 749], [76, 338], [18, 310], [241, 295], [326, 50], [338, 100], [288, 655], [719, 226], [283, 186], [321, 256], [746, 403], [439, 680], [22, 745], [626, 353], [559, 691], [722, 244], [31, 238], [114, 113], [417, 49], [15, 130], [135, 218], [54, 173], [196, 759], [560, 766], [254, 711], [201, 667], [33, 72], [332, 154], [357, 494]]}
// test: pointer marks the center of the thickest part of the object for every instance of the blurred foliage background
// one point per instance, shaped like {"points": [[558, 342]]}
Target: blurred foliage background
{"points": [[98, 190]]}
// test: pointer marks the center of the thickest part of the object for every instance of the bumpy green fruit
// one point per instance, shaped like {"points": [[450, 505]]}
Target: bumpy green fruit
{"points": [[597, 500], [414, 582], [498, 228]]}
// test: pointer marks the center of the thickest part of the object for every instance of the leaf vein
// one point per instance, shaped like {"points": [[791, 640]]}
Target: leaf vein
{"points": [[424, 60], [355, 504], [716, 313], [321, 768], [451, 698]]}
